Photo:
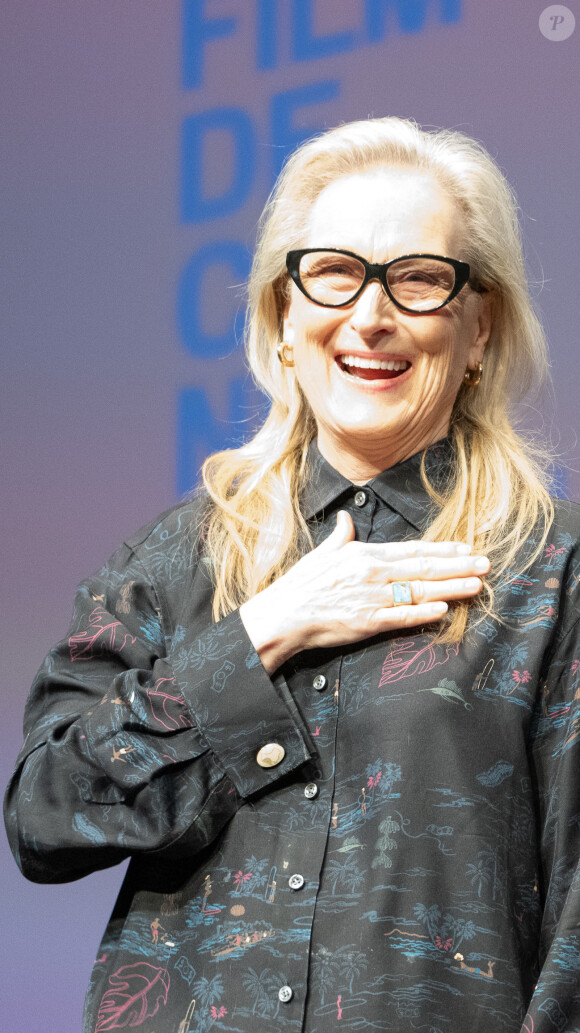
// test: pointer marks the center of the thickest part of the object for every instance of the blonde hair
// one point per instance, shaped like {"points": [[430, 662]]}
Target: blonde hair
{"points": [[497, 495]]}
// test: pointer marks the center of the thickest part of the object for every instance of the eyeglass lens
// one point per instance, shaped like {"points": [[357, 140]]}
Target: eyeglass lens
{"points": [[417, 283]]}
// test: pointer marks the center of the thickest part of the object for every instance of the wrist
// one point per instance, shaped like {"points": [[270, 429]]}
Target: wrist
{"points": [[271, 630]]}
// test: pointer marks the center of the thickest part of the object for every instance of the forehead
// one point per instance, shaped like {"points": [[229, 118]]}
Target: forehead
{"points": [[386, 212]]}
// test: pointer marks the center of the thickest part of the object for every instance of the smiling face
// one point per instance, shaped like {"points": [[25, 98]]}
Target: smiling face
{"points": [[380, 382]]}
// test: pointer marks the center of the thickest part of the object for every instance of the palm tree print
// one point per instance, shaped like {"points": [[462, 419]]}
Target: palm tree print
{"points": [[353, 964], [325, 972], [257, 986], [207, 993], [446, 932], [345, 874], [479, 874], [263, 989]]}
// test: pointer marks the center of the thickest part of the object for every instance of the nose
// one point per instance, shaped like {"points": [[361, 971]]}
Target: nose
{"points": [[373, 311]]}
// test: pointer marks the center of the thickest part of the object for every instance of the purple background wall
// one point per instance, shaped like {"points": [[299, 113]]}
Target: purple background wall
{"points": [[104, 343]]}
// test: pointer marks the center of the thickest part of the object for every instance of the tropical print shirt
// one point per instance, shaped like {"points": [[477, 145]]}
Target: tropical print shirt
{"points": [[410, 864]]}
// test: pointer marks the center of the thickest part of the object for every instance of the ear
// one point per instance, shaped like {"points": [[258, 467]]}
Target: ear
{"points": [[482, 328], [287, 327]]}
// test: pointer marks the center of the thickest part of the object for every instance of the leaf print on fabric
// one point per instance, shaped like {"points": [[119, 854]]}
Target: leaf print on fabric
{"points": [[386, 843], [169, 710], [151, 631], [450, 691], [497, 774], [404, 660], [209, 647], [102, 635], [137, 992]]}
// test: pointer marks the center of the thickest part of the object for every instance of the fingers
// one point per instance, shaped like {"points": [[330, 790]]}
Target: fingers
{"points": [[428, 592], [393, 551], [436, 568], [342, 534], [390, 618]]}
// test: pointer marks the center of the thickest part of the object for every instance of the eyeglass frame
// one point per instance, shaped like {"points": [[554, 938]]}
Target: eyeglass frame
{"points": [[378, 271]]}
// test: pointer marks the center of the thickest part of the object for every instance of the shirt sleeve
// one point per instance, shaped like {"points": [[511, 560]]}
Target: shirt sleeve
{"points": [[138, 742], [555, 756]]}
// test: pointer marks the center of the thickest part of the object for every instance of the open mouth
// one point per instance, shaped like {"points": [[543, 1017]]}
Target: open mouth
{"points": [[372, 369]]}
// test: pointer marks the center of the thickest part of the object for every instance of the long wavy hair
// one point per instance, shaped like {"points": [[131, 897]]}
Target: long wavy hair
{"points": [[496, 497]]}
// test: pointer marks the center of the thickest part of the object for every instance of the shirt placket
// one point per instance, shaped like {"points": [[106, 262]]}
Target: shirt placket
{"points": [[317, 691], [315, 688]]}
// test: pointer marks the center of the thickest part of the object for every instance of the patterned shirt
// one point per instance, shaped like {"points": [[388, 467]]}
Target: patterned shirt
{"points": [[410, 864]]}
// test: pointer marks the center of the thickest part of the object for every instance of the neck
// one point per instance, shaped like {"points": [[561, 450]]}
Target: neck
{"points": [[360, 463]]}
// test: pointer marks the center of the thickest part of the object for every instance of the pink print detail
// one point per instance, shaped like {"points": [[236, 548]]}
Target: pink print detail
{"points": [[373, 782], [338, 1007], [443, 946], [103, 634], [218, 1013], [521, 679], [552, 552], [404, 661], [528, 1024], [136, 993], [240, 878], [169, 710]]}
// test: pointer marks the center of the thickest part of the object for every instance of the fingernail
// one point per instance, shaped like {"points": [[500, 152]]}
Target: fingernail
{"points": [[438, 609], [463, 549], [472, 584], [481, 564]]}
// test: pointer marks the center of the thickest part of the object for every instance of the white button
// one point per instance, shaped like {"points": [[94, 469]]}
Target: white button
{"points": [[270, 755], [310, 790], [285, 994], [319, 683], [296, 882], [360, 498]]}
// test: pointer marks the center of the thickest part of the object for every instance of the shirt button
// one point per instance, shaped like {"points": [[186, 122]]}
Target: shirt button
{"points": [[296, 882], [319, 683], [360, 498], [285, 994], [310, 790], [270, 755]]}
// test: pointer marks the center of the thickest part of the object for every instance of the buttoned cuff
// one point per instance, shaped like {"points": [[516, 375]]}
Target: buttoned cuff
{"points": [[238, 709]]}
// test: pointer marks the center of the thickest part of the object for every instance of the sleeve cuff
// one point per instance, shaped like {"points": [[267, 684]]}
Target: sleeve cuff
{"points": [[237, 707]]}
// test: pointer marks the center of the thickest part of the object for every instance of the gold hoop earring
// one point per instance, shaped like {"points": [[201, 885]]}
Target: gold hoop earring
{"points": [[472, 377], [282, 353]]}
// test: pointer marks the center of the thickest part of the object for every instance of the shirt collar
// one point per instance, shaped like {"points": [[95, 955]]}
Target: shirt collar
{"points": [[400, 487]]}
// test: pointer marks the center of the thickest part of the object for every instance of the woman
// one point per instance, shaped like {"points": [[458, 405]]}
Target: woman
{"points": [[344, 767]]}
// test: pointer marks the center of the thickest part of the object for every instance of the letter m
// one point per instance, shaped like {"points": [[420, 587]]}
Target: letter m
{"points": [[411, 15]]}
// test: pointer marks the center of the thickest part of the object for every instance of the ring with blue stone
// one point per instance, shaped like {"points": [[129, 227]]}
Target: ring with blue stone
{"points": [[402, 595]]}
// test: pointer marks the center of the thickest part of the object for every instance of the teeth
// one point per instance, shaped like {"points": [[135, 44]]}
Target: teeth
{"points": [[390, 364]]}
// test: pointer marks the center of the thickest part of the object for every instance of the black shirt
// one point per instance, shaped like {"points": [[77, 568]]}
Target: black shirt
{"points": [[411, 861]]}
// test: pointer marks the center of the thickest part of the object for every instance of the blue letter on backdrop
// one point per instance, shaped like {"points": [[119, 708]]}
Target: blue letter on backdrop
{"points": [[191, 292], [195, 207], [285, 136], [267, 15], [411, 14], [197, 31], [307, 46]]}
